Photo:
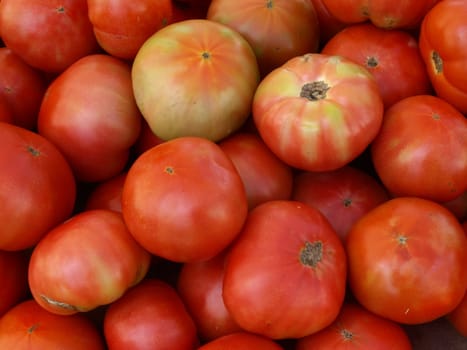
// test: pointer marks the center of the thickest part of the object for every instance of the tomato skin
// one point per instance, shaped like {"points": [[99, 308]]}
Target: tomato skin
{"points": [[107, 194], [33, 171], [328, 24], [318, 112], [150, 315], [14, 272], [422, 135], [241, 341], [101, 122], [407, 260], [189, 186], [6, 114], [28, 326], [60, 29], [443, 56], [65, 279], [291, 249]]}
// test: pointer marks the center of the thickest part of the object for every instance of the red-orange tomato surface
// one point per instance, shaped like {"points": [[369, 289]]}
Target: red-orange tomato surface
{"points": [[107, 194], [328, 24], [28, 326], [318, 112], [6, 113], [14, 272], [443, 45], [285, 275], [183, 200], [421, 149], [241, 341], [407, 260], [276, 30]]}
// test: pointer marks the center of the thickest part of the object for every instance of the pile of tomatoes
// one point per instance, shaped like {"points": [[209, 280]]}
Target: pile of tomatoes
{"points": [[249, 174]]}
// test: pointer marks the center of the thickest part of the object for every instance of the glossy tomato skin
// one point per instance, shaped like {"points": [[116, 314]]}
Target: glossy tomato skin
{"points": [[407, 260], [357, 328], [276, 30], [183, 81], [87, 261], [241, 341], [95, 126], [37, 187], [151, 315], [318, 112], [183, 200], [29, 326], [60, 30], [424, 138], [443, 46], [14, 272], [285, 275]]}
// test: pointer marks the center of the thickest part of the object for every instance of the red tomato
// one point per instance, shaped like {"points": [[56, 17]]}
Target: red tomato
{"points": [[424, 139], [87, 261], [285, 275], [37, 187], [199, 285], [407, 260], [187, 186], [151, 315], [107, 194], [276, 30], [443, 45], [95, 126], [318, 112], [328, 24], [342, 196], [241, 341], [28, 326], [6, 113], [392, 56], [357, 328], [48, 35], [184, 83], [14, 272], [264, 175], [121, 26]]}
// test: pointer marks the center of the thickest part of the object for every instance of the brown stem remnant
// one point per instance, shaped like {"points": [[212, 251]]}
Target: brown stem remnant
{"points": [[311, 254], [314, 91], [437, 61]]}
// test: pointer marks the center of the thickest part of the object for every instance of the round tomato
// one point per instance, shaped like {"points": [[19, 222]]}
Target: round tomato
{"points": [[87, 261], [14, 272], [285, 275], [241, 341], [421, 149], [407, 260], [183, 199], [195, 78], [318, 112]]}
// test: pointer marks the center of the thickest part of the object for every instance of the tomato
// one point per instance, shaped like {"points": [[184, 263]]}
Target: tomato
{"points": [[443, 46], [458, 317], [357, 328], [183, 81], [241, 341], [37, 187], [318, 112], [199, 284], [146, 139], [264, 176], [121, 27], [107, 194], [60, 30], [150, 315], [14, 272], [392, 56], [276, 30], [95, 126], [87, 261], [424, 138], [328, 24], [28, 326], [407, 260], [6, 113], [285, 275], [187, 186], [342, 196]]}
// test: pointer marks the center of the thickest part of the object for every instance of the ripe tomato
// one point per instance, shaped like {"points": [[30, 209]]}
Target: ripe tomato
{"points": [[407, 260], [28, 326], [443, 45], [107, 194], [184, 83], [285, 275], [357, 328], [14, 272], [183, 200], [37, 187], [328, 24], [425, 139], [95, 126], [276, 30], [318, 112], [60, 30], [241, 341], [6, 113], [87, 261], [150, 315]]}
